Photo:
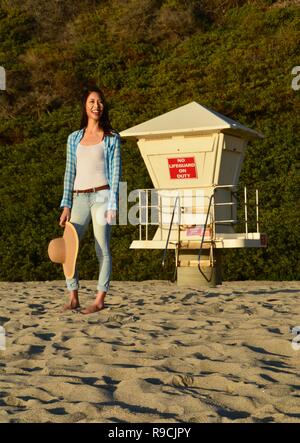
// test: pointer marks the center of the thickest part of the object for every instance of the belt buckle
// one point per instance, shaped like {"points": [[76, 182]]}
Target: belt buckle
{"points": [[94, 189]]}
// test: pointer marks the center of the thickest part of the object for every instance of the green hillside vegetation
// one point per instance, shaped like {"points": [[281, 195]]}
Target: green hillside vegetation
{"points": [[149, 57]]}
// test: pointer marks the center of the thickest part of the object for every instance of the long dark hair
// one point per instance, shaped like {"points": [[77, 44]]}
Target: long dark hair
{"points": [[104, 121]]}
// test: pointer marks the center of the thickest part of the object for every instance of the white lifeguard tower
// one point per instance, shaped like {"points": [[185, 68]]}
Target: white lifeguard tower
{"points": [[194, 157]]}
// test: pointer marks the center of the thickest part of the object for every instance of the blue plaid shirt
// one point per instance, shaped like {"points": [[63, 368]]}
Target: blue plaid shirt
{"points": [[113, 167]]}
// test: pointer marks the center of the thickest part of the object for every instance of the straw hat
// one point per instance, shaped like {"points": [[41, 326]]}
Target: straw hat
{"points": [[64, 250]]}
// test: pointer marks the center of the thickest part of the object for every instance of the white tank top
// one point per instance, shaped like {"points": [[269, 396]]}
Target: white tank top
{"points": [[90, 169]]}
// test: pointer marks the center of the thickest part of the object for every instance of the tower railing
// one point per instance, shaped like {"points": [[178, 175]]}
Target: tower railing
{"points": [[159, 210]]}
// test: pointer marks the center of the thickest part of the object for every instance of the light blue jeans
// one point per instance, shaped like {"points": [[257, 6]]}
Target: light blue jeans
{"points": [[87, 206]]}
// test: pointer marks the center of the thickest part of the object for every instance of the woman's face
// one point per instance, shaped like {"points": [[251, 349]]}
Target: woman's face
{"points": [[94, 106]]}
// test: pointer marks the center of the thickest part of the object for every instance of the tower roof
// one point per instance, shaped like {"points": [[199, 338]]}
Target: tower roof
{"points": [[187, 119]]}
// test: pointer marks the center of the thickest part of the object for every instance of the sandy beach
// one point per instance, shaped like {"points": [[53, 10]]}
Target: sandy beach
{"points": [[157, 353]]}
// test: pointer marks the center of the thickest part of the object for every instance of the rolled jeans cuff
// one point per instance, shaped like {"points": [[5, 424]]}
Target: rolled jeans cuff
{"points": [[103, 288], [72, 284]]}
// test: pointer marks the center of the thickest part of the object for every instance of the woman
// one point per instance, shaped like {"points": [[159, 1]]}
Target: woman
{"points": [[91, 183]]}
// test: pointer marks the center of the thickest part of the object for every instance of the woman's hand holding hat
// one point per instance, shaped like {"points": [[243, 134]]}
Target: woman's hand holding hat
{"points": [[64, 249], [65, 216]]}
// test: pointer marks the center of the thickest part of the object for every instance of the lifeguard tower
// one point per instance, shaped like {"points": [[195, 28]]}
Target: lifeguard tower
{"points": [[194, 157]]}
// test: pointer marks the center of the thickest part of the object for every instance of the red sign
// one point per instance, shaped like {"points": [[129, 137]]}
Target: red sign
{"points": [[182, 168], [198, 230]]}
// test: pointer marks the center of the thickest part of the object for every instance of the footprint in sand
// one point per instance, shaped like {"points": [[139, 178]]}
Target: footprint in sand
{"points": [[44, 336], [182, 380]]}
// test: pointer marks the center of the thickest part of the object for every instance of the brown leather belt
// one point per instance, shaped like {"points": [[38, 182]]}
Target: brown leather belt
{"points": [[92, 189]]}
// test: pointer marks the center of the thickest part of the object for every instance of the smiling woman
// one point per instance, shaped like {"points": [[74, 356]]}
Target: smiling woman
{"points": [[94, 106], [91, 183]]}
